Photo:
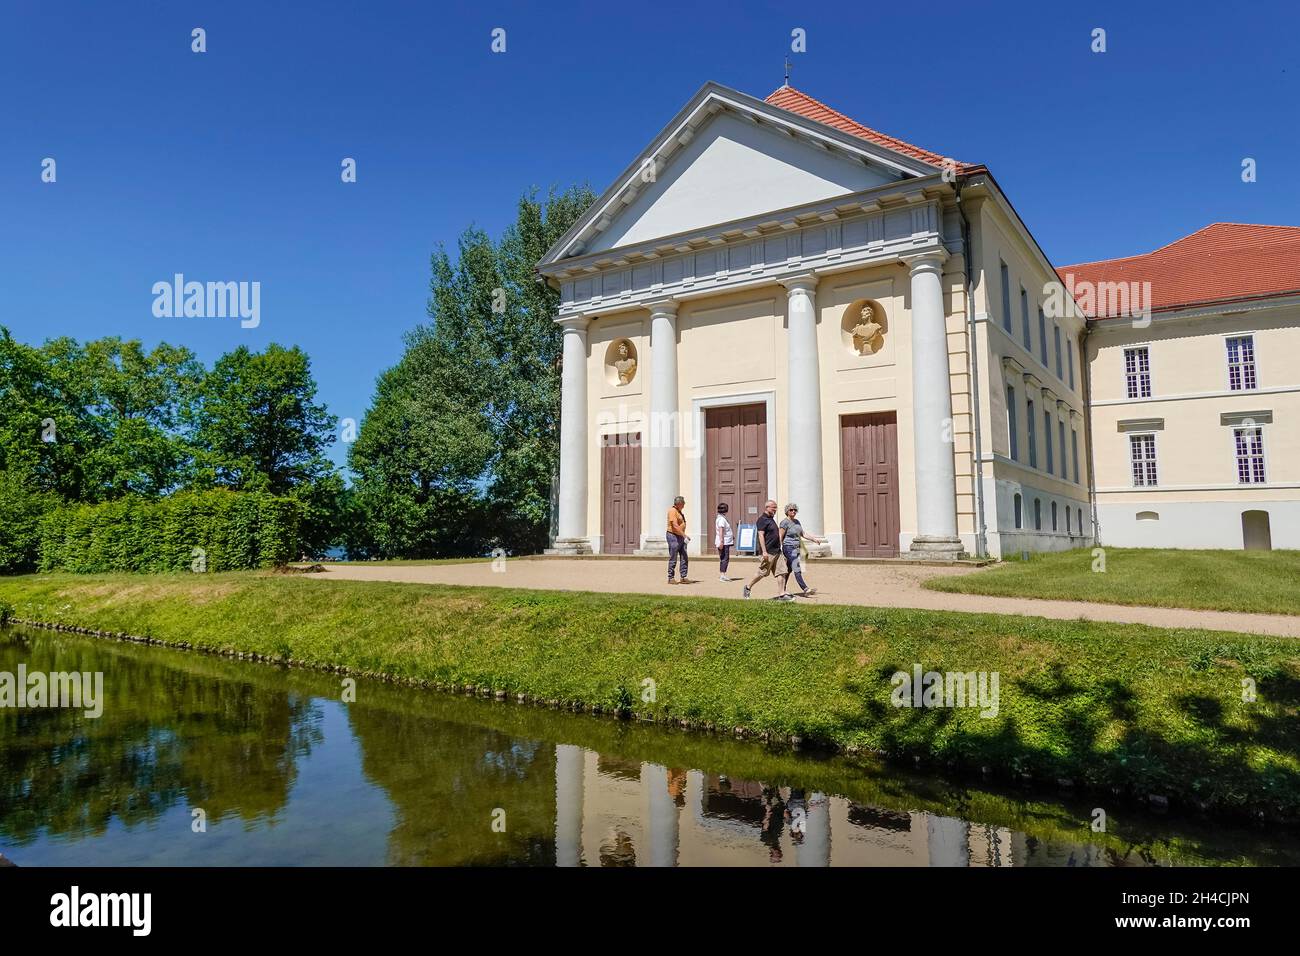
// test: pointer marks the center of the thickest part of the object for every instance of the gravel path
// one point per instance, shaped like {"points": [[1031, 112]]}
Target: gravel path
{"points": [[880, 585]]}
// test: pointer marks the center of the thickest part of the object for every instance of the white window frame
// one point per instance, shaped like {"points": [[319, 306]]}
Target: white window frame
{"points": [[1024, 321], [1013, 439], [1031, 432], [1042, 335], [1227, 362], [1005, 274], [1263, 454], [1154, 459], [1151, 379], [1056, 340]]}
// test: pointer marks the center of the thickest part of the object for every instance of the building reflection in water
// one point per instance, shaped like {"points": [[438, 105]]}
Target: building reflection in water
{"points": [[611, 812]]}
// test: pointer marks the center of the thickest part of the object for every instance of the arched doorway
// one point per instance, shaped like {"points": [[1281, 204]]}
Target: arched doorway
{"points": [[1255, 533]]}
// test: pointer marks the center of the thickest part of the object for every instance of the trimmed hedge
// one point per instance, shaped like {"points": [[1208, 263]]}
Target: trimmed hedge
{"points": [[236, 531]]}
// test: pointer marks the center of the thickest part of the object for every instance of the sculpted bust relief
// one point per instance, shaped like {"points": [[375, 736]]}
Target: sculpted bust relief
{"points": [[867, 331], [625, 364]]}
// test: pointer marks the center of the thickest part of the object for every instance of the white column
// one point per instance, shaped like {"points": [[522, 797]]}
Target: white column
{"points": [[804, 412], [572, 537], [663, 434], [659, 820], [568, 804], [816, 848], [936, 479]]}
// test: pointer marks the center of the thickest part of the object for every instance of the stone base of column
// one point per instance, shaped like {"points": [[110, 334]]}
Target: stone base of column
{"points": [[569, 546], [652, 547], [819, 550], [927, 547]]}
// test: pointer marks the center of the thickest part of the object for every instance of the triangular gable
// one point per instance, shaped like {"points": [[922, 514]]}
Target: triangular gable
{"points": [[731, 169], [751, 157]]}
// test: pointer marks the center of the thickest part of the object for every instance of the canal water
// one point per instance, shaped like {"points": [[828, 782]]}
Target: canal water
{"points": [[198, 760]]}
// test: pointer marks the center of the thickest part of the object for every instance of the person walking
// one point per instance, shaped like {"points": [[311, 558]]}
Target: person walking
{"points": [[723, 539], [677, 538], [792, 535], [769, 546]]}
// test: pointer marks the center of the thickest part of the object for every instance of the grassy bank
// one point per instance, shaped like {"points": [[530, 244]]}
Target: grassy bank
{"points": [[1266, 582], [1146, 710]]}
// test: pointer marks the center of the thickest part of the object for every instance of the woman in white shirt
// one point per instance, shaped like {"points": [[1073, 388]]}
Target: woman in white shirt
{"points": [[723, 539]]}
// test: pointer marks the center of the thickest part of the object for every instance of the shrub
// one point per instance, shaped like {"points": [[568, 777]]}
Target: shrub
{"points": [[21, 509], [226, 530]]}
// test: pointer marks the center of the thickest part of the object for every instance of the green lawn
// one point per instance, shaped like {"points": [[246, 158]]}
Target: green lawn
{"points": [[1262, 581], [1145, 709]]}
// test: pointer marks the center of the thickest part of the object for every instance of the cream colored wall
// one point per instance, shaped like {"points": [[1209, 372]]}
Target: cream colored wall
{"points": [[853, 384], [730, 345], [614, 408], [736, 345], [998, 240], [1189, 383]]}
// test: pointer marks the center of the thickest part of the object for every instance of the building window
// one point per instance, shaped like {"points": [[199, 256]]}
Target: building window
{"points": [[1069, 524], [1241, 363], [1056, 339], [1137, 372], [1250, 454], [1060, 433], [1142, 450], [1047, 437], [1074, 452], [1019, 509], [1079, 512], [1011, 423], [1032, 436], [1038, 514], [1006, 297], [1053, 515], [1024, 320], [1042, 338], [1069, 358]]}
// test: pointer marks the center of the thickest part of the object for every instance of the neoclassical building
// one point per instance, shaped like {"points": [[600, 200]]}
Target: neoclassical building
{"points": [[775, 301]]}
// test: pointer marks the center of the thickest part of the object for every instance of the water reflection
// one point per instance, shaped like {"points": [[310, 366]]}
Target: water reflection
{"points": [[287, 773]]}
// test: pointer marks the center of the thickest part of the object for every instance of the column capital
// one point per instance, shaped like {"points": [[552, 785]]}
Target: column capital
{"points": [[931, 259], [577, 323], [806, 283], [664, 307]]}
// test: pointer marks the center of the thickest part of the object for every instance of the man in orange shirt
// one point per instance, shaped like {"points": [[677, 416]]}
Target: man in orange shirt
{"points": [[677, 537]]}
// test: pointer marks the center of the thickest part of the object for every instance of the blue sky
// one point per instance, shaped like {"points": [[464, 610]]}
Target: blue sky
{"points": [[225, 165]]}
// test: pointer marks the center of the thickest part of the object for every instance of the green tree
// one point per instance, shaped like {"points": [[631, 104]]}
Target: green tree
{"points": [[258, 427], [459, 450]]}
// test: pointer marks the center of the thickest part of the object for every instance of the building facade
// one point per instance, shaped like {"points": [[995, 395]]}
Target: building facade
{"points": [[774, 301], [1194, 354]]}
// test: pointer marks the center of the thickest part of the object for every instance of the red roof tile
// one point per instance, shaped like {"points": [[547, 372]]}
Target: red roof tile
{"points": [[796, 101], [1225, 261]]}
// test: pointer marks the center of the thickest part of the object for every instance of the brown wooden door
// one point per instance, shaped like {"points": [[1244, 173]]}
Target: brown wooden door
{"points": [[735, 447], [620, 499], [869, 468]]}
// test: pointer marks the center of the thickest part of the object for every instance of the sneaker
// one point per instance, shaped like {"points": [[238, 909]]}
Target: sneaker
{"points": [[808, 592], [724, 579], [671, 581], [745, 593], [685, 581], [787, 596]]}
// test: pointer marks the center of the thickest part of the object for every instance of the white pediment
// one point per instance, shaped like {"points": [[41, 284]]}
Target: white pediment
{"points": [[734, 169], [726, 158]]}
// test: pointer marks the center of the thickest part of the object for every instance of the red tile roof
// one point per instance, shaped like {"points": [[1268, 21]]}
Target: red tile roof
{"points": [[1224, 262], [796, 101]]}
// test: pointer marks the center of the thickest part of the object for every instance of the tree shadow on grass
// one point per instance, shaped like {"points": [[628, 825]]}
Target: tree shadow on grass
{"points": [[1069, 730]]}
